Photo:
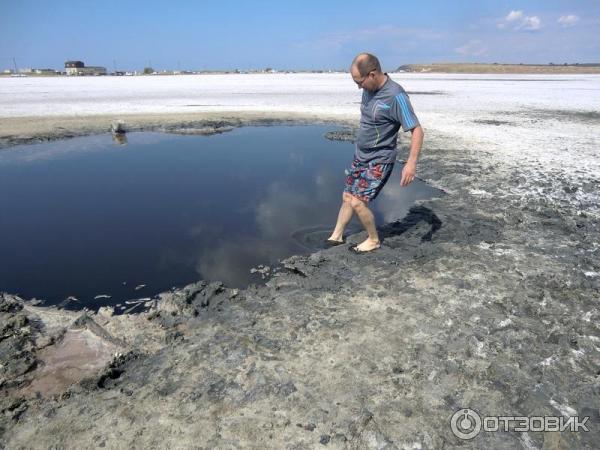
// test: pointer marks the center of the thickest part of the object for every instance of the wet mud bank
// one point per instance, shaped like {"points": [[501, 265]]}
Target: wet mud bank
{"points": [[486, 298], [31, 130]]}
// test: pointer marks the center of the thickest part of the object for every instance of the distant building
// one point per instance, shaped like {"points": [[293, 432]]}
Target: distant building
{"points": [[94, 70], [45, 71], [79, 68], [72, 67]]}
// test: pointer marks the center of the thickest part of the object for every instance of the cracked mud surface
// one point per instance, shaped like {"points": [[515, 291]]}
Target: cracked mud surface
{"points": [[486, 298]]}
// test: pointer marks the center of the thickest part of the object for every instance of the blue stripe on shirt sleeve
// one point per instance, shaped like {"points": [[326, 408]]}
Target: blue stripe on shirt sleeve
{"points": [[409, 120]]}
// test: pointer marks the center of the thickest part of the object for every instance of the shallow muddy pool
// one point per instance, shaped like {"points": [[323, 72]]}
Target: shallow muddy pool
{"points": [[90, 219]]}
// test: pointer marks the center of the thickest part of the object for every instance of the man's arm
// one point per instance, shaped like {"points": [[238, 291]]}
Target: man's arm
{"points": [[410, 168]]}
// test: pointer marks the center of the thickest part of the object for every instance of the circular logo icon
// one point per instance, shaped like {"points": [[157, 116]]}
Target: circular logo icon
{"points": [[465, 424]]}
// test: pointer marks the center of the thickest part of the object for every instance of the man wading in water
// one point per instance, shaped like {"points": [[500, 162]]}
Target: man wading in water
{"points": [[385, 108]]}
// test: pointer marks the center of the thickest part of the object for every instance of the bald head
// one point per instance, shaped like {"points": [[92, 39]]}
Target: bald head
{"points": [[365, 63]]}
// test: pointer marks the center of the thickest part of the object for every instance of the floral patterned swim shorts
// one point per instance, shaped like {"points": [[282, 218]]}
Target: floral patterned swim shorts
{"points": [[365, 181]]}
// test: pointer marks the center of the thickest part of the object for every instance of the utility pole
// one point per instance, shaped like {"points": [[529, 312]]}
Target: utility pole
{"points": [[15, 64]]}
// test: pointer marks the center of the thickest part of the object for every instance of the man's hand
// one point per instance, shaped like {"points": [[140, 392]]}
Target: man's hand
{"points": [[408, 173], [410, 168]]}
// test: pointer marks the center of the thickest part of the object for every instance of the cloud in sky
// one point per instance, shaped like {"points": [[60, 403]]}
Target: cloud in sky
{"points": [[516, 20], [514, 16], [568, 20], [293, 35]]}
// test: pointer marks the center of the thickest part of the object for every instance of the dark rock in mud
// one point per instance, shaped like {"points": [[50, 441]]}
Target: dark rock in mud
{"points": [[493, 122], [118, 127], [198, 299], [16, 341], [16, 357]]}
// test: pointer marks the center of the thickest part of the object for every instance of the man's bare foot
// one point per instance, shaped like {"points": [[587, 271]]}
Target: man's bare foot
{"points": [[333, 243], [367, 245], [334, 238]]}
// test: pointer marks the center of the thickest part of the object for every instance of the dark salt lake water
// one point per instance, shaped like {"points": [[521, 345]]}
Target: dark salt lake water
{"points": [[86, 217]]}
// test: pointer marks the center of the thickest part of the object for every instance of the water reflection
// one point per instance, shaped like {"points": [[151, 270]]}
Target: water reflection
{"points": [[171, 209], [119, 138], [304, 213], [278, 216]]}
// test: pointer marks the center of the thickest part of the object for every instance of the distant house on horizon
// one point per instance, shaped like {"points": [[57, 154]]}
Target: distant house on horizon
{"points": [[45, 71], [79, 68]]}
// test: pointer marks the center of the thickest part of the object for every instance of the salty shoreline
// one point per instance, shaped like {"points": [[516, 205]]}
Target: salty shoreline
{"points": [[30, 130], [485, 298]]}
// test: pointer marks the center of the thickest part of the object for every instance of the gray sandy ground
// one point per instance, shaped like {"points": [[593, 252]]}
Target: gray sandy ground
{"points": [[481, 301]]}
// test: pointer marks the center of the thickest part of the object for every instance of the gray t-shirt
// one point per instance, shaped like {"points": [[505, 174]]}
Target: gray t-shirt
{"points": [[381, 115]]}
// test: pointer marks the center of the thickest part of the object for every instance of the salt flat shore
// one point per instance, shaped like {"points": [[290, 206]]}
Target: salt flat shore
{"points": [[485, 298]]}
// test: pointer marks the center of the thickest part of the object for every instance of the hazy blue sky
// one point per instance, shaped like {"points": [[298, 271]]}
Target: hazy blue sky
{"points": [[307, 34]]}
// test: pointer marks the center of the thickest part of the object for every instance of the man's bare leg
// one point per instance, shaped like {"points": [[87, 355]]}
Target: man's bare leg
{"points": [[343, 219], [368, 220]]}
